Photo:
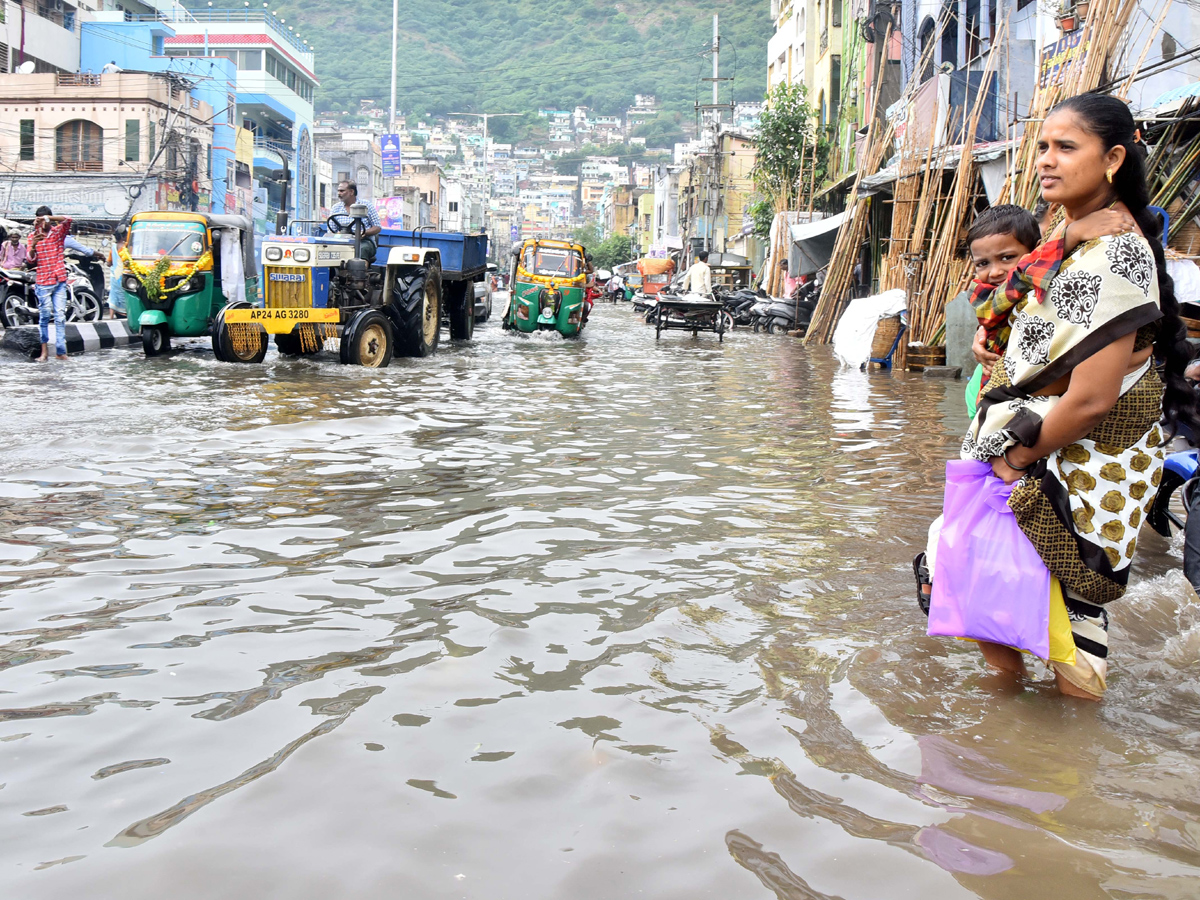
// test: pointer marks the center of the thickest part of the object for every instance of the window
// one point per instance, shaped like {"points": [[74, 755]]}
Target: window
{"points": [[156, 45], [250, 60], [208, 163], [151, 146], [835, 86], [77, 146], [133, 140], [836, 8], [27, 139], [454, 206], [229, 176], [272, 66], [230, 108]]}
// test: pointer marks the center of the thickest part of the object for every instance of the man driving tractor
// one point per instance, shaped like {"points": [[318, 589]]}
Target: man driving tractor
{"points": [[339, 216]]}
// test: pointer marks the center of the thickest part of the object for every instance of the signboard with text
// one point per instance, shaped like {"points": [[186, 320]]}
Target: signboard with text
{"points": [[389, 151], [1058, 57]]}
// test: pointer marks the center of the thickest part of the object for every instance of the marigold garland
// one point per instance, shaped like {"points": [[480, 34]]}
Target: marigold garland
{"points": [[154, 278]]}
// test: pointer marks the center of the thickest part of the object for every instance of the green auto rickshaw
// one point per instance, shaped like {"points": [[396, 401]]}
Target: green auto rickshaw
{"points": [[181, 268], [549, 282]]}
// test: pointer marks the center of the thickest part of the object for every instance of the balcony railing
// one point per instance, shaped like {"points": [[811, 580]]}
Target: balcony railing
{"points": [[179, 15], [67, 79]]}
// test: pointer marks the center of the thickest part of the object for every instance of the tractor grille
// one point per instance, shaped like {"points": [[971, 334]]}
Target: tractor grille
{"points": [[283, 291]]}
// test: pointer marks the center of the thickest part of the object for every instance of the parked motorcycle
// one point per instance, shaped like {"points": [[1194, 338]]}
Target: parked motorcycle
{"points": [[1181, 472], [19, 305], [738, 304], [91, 269]]}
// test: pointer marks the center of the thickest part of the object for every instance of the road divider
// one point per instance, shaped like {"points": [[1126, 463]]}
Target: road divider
{"points": [[82, 337]]}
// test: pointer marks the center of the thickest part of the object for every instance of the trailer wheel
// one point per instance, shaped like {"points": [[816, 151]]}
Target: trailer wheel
{"points": [[416, 310], [368, 340], [461, 299]]}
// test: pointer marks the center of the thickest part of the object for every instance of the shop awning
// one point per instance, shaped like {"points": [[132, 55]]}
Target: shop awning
{"points": [[841, 184], [812, 244]]}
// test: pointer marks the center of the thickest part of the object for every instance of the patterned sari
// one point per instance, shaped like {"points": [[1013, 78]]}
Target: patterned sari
{"points": [[1082, 506]]}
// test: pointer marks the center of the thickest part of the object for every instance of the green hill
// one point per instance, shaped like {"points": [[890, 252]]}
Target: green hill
{"points": [[519, 55]]}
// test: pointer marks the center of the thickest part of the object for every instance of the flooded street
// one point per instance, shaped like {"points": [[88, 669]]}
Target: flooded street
{"points": [[541, 619]]}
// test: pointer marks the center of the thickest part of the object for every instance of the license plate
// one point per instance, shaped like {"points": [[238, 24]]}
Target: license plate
{"points": [[281, 321]]}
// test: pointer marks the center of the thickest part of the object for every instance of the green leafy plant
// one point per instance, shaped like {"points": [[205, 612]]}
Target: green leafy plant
{"points": [[787, 147]]}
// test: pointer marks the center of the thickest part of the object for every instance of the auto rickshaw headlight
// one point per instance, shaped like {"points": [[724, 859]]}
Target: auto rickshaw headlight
{"points": [[273, 254], [301, 254], [130, 283]]}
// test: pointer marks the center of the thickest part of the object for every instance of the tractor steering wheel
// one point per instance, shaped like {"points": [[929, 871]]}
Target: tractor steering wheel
{"points": [[332, 225]]}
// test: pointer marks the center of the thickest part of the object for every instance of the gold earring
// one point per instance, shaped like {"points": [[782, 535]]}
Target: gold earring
{"points": [[1108, 175]]}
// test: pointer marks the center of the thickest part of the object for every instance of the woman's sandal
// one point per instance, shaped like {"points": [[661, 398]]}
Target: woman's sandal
{"points": [[921, 573]]}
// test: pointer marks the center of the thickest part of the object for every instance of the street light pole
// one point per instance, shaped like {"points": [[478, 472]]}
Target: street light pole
{"points": [[395, 37], [487, 187]]}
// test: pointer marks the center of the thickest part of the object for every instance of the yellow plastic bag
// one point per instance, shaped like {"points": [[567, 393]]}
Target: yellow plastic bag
{"points": [[1062, 643]]}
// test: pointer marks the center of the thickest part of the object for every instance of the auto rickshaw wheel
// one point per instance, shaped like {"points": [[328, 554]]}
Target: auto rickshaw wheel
{"points": [[156, 339], [368, 340]]}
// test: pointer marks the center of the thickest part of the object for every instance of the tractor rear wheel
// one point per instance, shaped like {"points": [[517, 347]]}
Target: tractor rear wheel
{"points": [[461, 299], [416, 310]]}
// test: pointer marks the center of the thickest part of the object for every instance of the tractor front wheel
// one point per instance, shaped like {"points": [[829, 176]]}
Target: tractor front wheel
{"points": [[368, 340]]}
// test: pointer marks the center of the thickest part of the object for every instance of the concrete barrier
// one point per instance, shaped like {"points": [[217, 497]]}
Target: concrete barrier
{"points": [[81, 337]]}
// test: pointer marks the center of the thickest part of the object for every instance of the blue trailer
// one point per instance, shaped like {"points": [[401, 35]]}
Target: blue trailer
{"points": [[318, 288]]}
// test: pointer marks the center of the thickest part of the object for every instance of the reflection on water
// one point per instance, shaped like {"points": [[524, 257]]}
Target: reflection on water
{"points": [[537, 618]]}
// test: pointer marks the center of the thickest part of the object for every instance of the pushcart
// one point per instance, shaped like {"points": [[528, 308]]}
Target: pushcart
{"points": [[690, 313]]}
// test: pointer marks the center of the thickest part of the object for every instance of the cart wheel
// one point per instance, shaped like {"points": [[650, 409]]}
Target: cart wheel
{"points": [[658, 324]]}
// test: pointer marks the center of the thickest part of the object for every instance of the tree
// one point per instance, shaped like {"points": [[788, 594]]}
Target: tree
{"points": [[788, 147], [588, 235], [613, 251]]}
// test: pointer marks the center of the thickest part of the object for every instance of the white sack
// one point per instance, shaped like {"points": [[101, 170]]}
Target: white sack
{"points": [[856, 330]]}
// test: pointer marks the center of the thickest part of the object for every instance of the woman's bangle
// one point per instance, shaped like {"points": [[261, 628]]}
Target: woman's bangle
{"points": [[1004, 456]]}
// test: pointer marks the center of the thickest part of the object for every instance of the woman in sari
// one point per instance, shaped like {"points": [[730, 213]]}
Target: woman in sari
{"points": [[1091, 386]]}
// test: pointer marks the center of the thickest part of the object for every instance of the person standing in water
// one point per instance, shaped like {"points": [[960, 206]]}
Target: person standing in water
{"points": [[1079, 409]]}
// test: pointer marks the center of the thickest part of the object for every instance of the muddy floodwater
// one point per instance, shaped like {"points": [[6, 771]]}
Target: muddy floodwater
{"points": [[535, 618]]}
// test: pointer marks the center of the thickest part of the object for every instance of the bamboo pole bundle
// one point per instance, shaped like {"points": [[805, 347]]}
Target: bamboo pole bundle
{"points": [[1102, 44], [833, 298], [947, 270], [834, 292]]}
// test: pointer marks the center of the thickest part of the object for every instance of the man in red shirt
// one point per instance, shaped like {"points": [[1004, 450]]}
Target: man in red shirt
{"points": [[46, 246]]}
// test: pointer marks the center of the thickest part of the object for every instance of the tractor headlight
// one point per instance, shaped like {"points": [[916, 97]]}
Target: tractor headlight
{"points": [[273, 254], [301, 254]]}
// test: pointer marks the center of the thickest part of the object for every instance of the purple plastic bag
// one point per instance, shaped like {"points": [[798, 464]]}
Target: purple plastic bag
{"points": [[988, 582]]}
